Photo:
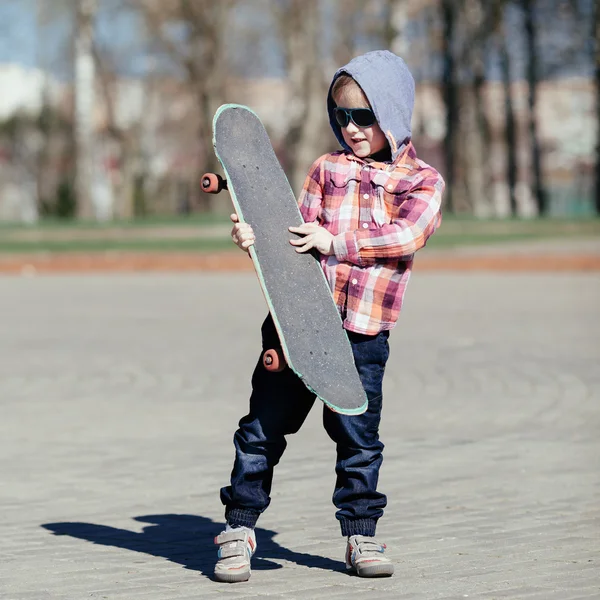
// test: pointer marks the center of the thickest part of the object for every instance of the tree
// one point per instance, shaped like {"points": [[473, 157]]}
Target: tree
{"points": [[532, 82], [299, 26], [84, 107], [476, 22], [596, 25], [450, 95], [127, 150], [200, 54], [509, 120], [54, 125]]}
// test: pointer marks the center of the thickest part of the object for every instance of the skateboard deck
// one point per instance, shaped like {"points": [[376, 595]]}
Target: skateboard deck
{"points": [[313, 341]]}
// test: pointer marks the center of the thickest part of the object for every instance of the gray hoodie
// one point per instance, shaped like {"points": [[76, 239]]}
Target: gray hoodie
{"points": [[390, 89]]}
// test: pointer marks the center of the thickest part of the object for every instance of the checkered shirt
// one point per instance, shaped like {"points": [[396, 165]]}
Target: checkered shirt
{"points": [[380, 215]]}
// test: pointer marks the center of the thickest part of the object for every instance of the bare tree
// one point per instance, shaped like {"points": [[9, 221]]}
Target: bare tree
{"points": [[348, 14], [476, 20], [126, 139], [84, 107], [200, 54], [597, 84], [299, 25], [509, 122], [501, 36], [532, 81], [450, 95]]}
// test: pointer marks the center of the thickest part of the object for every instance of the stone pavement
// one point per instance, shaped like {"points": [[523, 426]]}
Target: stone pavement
{"points": [[119, 395]]}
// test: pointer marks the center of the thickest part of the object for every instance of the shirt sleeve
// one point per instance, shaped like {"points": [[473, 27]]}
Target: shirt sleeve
{"points": [[419, 216], [311, 197]]}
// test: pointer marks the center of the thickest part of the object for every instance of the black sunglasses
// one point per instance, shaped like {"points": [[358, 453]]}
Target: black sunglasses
{"points": [[361, 117]]}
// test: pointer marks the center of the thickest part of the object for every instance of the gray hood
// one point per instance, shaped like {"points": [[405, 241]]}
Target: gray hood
{"points": [[390, 89]]}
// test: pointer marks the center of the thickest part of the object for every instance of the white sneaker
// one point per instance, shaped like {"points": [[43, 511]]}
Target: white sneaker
{"points": [[236, 548], [364, 556]]}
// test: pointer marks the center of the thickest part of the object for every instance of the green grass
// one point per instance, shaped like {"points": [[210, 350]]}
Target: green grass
{"points": [[459, 232], [197, 219], [198, 234]]}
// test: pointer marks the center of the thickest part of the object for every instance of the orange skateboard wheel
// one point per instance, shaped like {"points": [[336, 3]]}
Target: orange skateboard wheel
{"points": [[212, 183], [274, 361]]}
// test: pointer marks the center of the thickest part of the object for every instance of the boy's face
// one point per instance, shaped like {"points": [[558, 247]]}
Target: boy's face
{"points": [[363, 141]]}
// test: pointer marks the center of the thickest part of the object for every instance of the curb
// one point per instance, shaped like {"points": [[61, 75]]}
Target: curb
{"points": [[237, 262]]}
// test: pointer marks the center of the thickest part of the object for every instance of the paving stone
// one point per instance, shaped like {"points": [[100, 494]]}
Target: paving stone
{"points": [[119, 396]]}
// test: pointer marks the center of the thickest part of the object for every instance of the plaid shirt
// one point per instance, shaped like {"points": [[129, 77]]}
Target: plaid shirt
{"points": [[380, 215]]}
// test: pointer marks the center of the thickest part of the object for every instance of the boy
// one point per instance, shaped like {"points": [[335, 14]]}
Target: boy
{"points": [[367, 210]]}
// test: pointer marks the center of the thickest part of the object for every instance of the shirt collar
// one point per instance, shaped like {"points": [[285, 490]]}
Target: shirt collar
{"points": [[407, 150]]}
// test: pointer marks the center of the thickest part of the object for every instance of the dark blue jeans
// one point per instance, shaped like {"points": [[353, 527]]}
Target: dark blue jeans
{"points": [[278, 406]]}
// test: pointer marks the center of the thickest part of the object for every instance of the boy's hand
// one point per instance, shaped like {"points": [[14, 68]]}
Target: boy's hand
{"points": [[241, 233], [315, 236]]}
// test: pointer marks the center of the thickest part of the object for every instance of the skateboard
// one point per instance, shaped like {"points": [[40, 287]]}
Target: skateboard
{"points": [[314, 344]]}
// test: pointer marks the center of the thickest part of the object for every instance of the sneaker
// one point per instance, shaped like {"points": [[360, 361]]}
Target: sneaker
{"points": [[236, 548], [364, 556]]}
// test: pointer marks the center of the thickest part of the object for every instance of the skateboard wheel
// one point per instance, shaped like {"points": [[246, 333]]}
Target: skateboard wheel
{"points": [[274, 361], [212, 183]]}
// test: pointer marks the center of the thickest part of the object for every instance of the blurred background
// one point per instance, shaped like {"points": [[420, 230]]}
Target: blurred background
{"points": [[106, 106]]}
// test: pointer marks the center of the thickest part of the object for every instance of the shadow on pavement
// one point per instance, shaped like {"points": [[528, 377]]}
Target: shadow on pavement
{"points": [[188, 540]]}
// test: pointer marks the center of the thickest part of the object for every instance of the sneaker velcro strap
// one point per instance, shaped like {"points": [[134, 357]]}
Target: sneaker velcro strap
{"points": [[231, 536], [232, 550], [366, 544]]}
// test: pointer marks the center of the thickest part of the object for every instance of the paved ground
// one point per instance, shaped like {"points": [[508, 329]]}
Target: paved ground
{"points": [[119, 395]]}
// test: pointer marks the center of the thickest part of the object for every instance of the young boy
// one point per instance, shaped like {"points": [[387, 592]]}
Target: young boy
{"points": [[367, 210]]}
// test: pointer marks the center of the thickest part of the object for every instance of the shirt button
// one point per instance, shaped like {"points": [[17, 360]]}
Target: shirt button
{"points": [[365, 226], [390, 186], [366, 196], [354, 281]]}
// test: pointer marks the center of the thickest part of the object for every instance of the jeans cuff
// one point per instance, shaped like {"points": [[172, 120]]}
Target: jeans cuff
{"points": [[358, 527], [240, 517]]}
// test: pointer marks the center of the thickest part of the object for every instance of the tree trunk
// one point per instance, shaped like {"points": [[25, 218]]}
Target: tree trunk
{"points": [[84, 107], [203, 55], [509, 123], [532, 80], [597, 82], [476, 151], [209, 35], [474, 123], [450, 96], [304, 141]]}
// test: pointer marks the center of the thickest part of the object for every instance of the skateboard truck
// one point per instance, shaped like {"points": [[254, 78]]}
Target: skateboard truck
{"points": [[212, 183], [274, 361]]}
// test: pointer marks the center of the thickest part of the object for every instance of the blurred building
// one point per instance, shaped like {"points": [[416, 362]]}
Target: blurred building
{"points": [[148, 130], [25, 90]]}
